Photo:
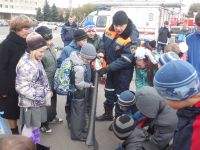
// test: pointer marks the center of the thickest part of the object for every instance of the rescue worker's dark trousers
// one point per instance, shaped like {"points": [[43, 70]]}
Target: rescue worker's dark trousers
{"points": [[116, 83]]}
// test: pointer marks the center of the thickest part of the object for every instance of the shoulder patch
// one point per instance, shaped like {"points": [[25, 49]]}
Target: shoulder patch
{"points": [[133, 49], [117, 47]]}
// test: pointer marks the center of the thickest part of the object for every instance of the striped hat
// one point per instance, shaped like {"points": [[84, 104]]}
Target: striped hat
{"points": [[177, 80], [126, 98], [123, 126], [167, 57]]}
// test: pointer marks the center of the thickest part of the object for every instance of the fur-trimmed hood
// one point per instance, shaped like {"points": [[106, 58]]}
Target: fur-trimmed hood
{"points": [[128, 31]]}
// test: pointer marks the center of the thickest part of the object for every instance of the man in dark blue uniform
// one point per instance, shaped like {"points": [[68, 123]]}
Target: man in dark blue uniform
{"points": [[119, 43], [68, 30]]}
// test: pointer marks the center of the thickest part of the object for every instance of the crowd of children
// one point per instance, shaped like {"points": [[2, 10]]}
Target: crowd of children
{"points": [[161, 114]]}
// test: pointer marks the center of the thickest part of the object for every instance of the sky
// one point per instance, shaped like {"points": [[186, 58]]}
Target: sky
{"points": [[76, 3], [65, 3]]}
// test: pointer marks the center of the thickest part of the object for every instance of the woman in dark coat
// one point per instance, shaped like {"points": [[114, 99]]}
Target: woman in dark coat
{"points": [[11, 50]]}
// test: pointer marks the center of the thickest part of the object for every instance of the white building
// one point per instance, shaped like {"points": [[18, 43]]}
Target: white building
{"points": [[11, 8]]}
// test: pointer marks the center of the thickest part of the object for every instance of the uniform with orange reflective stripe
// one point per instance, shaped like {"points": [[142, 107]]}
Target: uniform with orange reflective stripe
{"points": [[120, 62], [117, 49]]}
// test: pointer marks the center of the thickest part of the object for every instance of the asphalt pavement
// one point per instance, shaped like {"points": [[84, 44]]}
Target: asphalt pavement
{"points": [[59, 139]]}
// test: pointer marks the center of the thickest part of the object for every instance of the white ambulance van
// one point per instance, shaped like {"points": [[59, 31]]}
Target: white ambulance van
{"points": [[147, 18]]}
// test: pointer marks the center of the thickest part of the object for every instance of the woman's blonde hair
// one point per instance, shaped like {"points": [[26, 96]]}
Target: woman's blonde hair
{"points": [[172, 47], [20, 22]]}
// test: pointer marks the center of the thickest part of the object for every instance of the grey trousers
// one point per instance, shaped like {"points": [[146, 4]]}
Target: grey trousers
{"points": [[77, 114]]}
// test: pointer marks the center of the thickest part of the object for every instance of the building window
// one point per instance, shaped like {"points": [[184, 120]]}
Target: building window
{"points": [[6, 6], [150, 16], [11, 0], [11, 6], [0, 5]]}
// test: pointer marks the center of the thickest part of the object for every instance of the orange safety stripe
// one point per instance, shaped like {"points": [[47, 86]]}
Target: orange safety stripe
{"points": [[120, 41]]}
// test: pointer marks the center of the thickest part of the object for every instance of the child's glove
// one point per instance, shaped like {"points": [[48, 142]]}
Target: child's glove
{"points": [[91, 85], [138, 116]]}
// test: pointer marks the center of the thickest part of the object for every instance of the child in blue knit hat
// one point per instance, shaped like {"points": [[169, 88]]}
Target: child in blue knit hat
{"points": [[126, 102], [92, 36], [167, 57], [127, 106], [178, 83]]}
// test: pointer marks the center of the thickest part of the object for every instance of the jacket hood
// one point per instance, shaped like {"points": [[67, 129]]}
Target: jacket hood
{"points": [[76, 59], [128, 31], [138, 135], [74, 45], [149, 102]]}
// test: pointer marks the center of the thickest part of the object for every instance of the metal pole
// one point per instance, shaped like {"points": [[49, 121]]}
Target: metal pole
{"points": [[91, 139]]}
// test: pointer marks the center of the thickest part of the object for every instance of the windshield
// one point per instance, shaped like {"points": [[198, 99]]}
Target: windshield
{"points": [[88, 18], [101, 21]]}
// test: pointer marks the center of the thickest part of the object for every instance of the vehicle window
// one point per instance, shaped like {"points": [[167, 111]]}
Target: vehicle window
{"points": [[88, 18], [101, 21]]}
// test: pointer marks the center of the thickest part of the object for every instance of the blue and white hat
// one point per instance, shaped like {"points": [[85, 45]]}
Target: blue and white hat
{"points": [[89, 25], [126, 98], [177, 80], [167, 57]]}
